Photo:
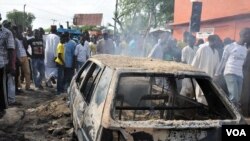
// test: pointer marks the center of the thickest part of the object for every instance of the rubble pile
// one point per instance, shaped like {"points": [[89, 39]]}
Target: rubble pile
{"points": [[37, 120]]}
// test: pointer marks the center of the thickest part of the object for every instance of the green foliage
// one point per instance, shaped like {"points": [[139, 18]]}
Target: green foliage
{"points": [[87, 28], [142, 14], [19, 18], [47, 30]]}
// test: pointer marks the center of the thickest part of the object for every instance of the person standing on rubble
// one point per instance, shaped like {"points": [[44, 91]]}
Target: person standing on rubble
{"points": [[7, 46], [245, 95], [187, 57], [69, 59], [206, 59], [157, 51], [232, 63], [51, 42], [82, 52], [37, 59]]}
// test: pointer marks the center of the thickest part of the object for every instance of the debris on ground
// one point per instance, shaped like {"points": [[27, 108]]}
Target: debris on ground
{"points": [[39, 116]]}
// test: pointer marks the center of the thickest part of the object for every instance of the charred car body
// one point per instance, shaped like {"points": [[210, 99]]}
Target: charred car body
{"points": [[118, 98]]}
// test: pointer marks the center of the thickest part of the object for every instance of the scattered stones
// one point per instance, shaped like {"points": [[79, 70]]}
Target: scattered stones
{"points": [[11, 136], [55, 122], [40, 116], [58, 132], [11, 117], [70, 131]]}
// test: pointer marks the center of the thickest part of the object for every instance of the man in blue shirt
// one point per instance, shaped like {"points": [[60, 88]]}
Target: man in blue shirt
{"points": [[69, 50]]}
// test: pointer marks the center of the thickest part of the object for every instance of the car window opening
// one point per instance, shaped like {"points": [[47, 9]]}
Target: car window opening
{"points": [[88, 85], [145, 97]]}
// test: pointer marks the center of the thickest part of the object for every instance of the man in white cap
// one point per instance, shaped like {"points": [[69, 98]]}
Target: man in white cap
{"points": [[105, 45]]}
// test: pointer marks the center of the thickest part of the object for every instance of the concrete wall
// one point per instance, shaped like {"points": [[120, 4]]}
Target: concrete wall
{"points": [[212, 10], [222, 28]]}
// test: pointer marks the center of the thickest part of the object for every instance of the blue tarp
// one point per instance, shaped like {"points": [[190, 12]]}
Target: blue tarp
{"points": [[71, 31]]}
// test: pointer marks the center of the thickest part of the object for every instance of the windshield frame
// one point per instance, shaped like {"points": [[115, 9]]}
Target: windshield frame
{"points": [[180, 74]]}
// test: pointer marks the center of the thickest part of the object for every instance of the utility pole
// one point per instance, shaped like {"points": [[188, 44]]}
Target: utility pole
{"points": [[53, 20], [195, 20], [116, 16], [67, 22], [24, 17], [154, 13]]}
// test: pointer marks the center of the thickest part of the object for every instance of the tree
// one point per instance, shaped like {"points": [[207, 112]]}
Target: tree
{"points": [[20, 18], [143, 14], [87, 28]]}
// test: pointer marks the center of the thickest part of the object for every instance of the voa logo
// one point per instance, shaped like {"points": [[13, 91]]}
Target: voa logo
{"points": [[236, 132]]}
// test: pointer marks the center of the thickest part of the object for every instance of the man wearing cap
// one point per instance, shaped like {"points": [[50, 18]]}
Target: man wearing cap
{"points": [[105, 45], [7, 46]]}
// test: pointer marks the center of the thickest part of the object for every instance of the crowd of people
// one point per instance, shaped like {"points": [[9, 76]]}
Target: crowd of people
{"points": [[50, 59], [35, 58], [227, 62]]}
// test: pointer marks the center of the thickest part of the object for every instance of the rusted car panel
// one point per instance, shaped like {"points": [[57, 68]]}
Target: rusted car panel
{"points": [[131, 101], [171, 135], [93, 118], [87, 114], [174, 129]]}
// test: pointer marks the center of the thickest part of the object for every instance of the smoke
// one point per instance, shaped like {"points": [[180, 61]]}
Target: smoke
{"points": [[137, 41]]}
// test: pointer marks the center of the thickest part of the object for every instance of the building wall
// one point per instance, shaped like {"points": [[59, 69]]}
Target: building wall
{"points": [[213, 9], [88, 19], [222, 28]]}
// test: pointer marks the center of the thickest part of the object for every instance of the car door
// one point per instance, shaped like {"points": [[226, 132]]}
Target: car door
{"points": [[86, 89], [94, 111], [77, 97]]}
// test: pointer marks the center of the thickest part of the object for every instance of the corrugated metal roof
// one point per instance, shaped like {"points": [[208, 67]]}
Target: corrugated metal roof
{"points": [[88, 19]]}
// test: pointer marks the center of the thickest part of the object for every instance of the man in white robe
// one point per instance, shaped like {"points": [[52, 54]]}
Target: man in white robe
{"points": [[157, 51], [206, 59], [52, 41], [187, 56]]}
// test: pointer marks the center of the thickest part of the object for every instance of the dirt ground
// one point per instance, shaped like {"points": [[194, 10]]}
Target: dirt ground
{"points": [[38, 116]]}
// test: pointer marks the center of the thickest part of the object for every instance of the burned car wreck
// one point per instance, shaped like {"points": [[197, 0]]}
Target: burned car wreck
{"points": [[118, 98]]}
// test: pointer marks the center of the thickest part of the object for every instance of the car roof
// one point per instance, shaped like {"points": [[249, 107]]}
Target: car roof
{"points": [[149, 64]]}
